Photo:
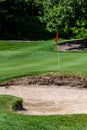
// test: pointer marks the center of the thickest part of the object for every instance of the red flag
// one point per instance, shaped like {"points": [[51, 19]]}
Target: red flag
{"points": [[57, 37]]}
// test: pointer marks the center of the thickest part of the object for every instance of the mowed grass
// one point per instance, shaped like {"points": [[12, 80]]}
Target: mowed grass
{"points": [[32, 58]]}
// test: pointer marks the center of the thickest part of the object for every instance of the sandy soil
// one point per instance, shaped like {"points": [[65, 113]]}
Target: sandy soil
{"points": [[49, 99]]}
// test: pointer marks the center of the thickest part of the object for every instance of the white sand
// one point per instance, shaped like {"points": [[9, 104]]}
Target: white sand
{"points": [[47, 100]]}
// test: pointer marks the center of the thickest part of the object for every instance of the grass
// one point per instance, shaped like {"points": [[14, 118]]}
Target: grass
{"points": [[12, 121], [32, 58], [9, 103], [21, 58]]}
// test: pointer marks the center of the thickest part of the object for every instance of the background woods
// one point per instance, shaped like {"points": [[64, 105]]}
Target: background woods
{"points": [[27, 19]]}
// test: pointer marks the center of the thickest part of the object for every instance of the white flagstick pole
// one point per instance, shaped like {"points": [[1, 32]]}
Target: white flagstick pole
{"points": [[58, 58]]}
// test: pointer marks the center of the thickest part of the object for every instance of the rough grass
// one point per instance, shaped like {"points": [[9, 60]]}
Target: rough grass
{"points": [[31, 58], [10, 103], [9, 121]]}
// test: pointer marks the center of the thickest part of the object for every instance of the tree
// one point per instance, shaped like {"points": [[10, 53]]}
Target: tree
{"points": [[32, 18], [80, 25], [18, 18], [65, 17]]}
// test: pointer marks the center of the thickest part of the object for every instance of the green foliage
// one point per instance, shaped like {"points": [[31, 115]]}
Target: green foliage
{"points": [[79, 32], [27, 19], [57, 15], [64, 16]]}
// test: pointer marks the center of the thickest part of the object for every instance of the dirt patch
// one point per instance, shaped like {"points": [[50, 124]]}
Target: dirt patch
{"points": [[72, 81], [73, 45]]}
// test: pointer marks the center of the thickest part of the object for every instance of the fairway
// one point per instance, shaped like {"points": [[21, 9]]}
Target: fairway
{"points": [[31, 58]]}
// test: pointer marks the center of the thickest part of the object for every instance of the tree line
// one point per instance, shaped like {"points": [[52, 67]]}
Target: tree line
{"points": [[41, 19]]}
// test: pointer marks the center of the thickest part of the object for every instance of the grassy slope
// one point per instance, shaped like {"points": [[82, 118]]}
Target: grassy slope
{"points": [[17, 59], [9, 103]]}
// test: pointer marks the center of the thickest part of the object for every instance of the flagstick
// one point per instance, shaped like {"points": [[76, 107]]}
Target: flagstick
{"points": [[58, 59], [58, 55]]}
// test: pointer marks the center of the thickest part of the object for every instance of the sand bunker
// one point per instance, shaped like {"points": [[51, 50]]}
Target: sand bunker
{"points": [[49, 99]]}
